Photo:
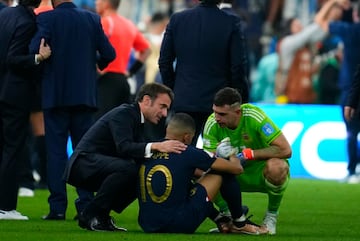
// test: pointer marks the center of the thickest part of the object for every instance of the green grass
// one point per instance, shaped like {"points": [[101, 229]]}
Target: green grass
{"points": [[312, 210]]}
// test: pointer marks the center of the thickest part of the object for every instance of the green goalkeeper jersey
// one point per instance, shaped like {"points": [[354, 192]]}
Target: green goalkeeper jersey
{"points": [[255, 130]]}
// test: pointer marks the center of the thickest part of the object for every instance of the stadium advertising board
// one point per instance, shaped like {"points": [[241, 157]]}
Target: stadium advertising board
{"points": [[317, 136]]}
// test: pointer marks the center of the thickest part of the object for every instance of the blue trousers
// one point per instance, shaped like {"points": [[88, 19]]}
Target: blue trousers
{"points": [[60, 123]]}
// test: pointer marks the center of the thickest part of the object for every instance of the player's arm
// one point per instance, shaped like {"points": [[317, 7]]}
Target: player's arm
{"points": [[198, 173], [279, 148], [232, 166]]}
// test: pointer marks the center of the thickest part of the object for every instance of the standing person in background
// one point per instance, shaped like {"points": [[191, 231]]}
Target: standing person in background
{"points": [[69, 89], [353, 99], [228, 7], [349, 33], [113, 86], [17, 82], [352, 113], [34, 151], [260, 144], [37, 119], [208, 57], [45, 5]]}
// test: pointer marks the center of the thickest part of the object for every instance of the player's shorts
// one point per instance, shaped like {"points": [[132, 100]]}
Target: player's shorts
{"points": [[189, 217], [252, 179]]}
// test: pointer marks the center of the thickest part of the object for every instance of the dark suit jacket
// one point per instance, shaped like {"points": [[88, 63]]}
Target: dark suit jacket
{"points": [[353, 97], [119, 133], [242, 26], [17, 27], [206, 44], [2, 5], [75, 36]]}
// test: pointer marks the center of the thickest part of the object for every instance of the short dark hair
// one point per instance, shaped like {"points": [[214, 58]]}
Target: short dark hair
{"points": [[182, 122], [227, 96], [30, 3], [158, 17], [115, 4], [152, 90]]}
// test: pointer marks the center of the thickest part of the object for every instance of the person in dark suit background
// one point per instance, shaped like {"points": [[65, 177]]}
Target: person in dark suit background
{"points": [[17, 81], [351, 109], [351, 113], [208, 57], [228, 7], [107, 157], [69, 91]]}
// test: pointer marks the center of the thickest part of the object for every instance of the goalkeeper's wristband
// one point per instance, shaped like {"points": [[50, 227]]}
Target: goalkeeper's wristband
{"points": [[135, 67], [248, 154]]}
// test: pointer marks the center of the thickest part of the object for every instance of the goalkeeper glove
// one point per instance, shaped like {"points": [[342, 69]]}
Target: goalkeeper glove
{"points": [[224, 149]]}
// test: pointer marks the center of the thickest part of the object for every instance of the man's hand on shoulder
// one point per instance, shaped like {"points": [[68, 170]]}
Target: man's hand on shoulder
{"points": [[169, 146]]}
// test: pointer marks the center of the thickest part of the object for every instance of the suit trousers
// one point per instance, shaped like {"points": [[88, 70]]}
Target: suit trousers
{"points": [[113, 178], [14, 123], [352, 129], [60, 123]]}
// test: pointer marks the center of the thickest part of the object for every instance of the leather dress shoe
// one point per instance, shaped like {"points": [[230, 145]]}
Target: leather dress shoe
{"points": [[100, 224], [54, 216]]}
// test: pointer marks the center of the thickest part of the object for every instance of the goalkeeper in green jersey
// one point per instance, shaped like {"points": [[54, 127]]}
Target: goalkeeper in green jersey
{"points": [[261, 146]]}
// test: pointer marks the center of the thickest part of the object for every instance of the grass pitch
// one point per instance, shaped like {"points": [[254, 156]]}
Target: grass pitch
{"points": [[313, 210]]}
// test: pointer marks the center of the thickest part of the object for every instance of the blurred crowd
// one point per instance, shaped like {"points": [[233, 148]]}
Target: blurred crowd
{"points": [[265, 24]]}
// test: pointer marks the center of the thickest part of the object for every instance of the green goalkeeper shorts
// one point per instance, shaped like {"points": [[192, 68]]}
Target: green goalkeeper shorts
{"points": [[252, 179]]}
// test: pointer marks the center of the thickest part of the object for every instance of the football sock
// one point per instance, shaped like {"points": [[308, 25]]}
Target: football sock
{"points": [[230, 190], [275, 194], [214, 214]]}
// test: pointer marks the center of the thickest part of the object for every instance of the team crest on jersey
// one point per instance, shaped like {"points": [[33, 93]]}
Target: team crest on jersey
{"points": [[267, 129]]}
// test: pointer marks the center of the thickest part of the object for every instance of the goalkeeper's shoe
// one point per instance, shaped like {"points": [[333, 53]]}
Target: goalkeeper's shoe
{"points": [[269, 222]]}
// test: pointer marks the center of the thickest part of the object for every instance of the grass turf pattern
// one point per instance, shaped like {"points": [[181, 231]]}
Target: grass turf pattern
{"points": [[313, 210]]}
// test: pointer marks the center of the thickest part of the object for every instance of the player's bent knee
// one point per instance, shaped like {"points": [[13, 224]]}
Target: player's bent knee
{"points": [[276, 171]]}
